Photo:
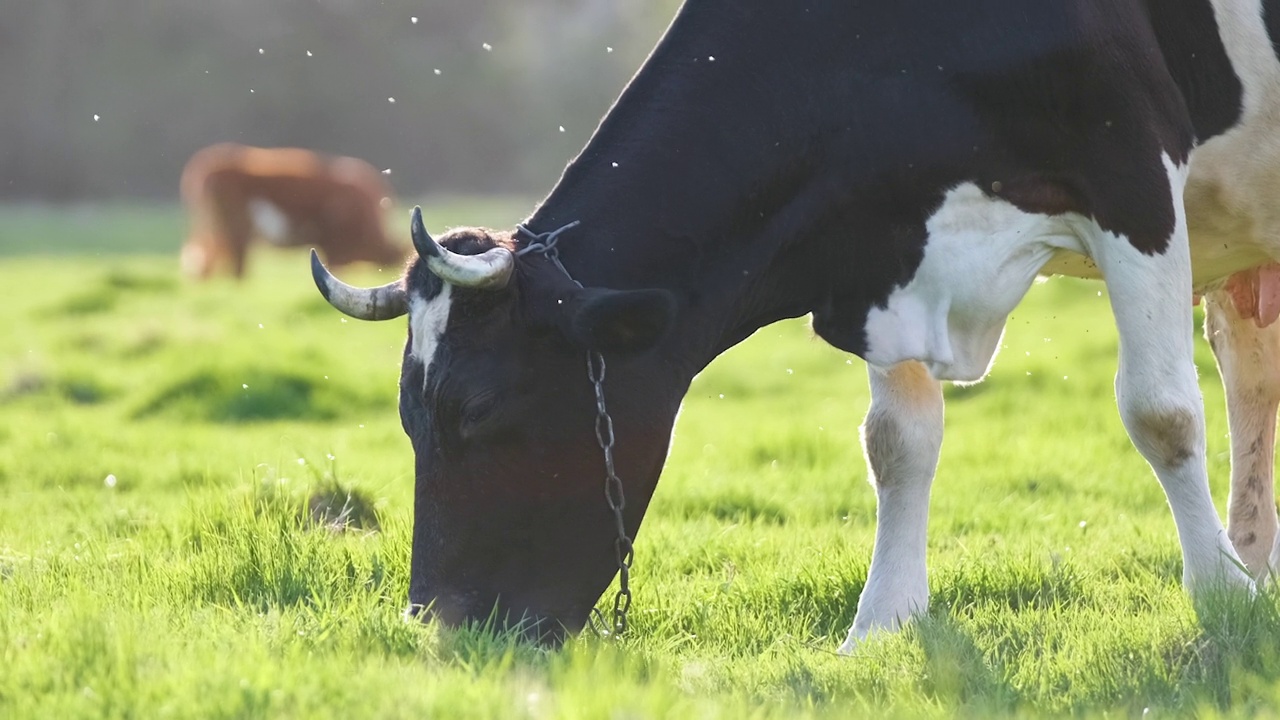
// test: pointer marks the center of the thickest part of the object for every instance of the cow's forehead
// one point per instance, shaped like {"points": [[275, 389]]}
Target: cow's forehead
{"points": [[428, 318]]}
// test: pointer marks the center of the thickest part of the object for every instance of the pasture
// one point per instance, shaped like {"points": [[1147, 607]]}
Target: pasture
{"points": [[174, 458]]}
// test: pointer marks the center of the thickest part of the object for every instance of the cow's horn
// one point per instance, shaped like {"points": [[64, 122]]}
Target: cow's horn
{"points": [[385, 302], [488, 270]]}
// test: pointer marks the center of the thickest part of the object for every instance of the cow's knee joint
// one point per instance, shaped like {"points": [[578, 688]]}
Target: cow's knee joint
{"points": [[885, 443], [900, 447], [1167, 434]]}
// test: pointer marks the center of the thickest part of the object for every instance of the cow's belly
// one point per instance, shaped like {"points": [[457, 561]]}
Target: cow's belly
{"points": [[981, 257], [1233, 210], [983, 254], [1233, 202]]}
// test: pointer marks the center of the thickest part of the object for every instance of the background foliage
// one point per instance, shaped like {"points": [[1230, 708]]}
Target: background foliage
{"points": [[166, 77]]}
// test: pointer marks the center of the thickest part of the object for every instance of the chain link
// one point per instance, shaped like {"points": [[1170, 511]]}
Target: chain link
{"points": [[623, 550], [613, 495]]}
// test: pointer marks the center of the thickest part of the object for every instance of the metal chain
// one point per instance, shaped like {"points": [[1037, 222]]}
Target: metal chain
{"points": [[613, 495], [545, 243], [623, 550]]}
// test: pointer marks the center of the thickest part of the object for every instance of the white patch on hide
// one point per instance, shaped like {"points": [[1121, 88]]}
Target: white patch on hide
{"points": [[427, 321], [269, 221], [981, 256], [1232, 213], [194, 260]]}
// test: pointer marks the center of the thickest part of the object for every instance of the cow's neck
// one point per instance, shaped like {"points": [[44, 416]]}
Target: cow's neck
{"points": [[675, 190], [685, 234]]}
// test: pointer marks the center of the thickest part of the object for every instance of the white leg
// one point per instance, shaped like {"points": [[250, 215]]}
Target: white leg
{"points": [[1156, 389], [1249, 361], [902, 435]]}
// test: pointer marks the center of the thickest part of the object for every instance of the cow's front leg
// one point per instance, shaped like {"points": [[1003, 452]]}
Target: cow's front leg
{"points": [[1249, 361], [901, 435], [1156, 388]]}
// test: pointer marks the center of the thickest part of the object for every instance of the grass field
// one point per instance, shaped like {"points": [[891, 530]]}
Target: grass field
{"points": [[160, 441]]}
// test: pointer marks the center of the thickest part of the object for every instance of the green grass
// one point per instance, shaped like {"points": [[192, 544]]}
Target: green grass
{"points": [[161, 554]]}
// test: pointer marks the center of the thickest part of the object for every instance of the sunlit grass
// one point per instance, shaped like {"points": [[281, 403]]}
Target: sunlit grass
{"points": [[163, 446]]}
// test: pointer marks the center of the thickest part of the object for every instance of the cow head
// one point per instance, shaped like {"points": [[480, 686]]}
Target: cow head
{"points": [[510, 517]]}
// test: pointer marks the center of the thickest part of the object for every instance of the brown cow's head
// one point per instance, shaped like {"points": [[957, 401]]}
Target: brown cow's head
{"points": [[510, 516]]}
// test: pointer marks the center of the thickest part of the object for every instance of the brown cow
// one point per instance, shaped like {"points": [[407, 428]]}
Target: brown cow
{"points": [[287, 197]]}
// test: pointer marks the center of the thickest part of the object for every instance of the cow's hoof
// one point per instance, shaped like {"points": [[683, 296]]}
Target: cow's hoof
{"points": [[868, 624], [1230, 576]]}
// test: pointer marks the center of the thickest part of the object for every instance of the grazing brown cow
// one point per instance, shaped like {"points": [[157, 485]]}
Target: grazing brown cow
{"points": [[287, 197]]}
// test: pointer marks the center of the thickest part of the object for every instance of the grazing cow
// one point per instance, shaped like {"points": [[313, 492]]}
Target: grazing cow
{"points": [[900, 171], [287, 197]]}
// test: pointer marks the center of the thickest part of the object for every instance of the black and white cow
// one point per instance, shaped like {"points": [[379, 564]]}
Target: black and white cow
{"points": [[901, 171]]}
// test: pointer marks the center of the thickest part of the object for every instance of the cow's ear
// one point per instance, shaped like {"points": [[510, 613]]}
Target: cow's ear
{"points": [[624, 321]]}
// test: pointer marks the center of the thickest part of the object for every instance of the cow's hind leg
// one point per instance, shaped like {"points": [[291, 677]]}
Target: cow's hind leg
{"points": [[1249, 361], [1157, 391], [902, 435]]}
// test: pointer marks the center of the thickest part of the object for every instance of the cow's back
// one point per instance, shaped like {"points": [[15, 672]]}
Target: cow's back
{"points": [[290, 177], [287, 196]]}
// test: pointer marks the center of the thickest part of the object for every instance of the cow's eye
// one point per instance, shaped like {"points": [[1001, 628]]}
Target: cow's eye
{"points": [[476, 410]]}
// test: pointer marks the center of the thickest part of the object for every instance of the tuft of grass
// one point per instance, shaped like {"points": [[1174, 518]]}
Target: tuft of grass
{"points": [[86, 302], [259, 395], [339, 508]]}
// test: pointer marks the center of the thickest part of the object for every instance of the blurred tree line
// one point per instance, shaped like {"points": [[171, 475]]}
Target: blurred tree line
{"points": [[107, 99]]}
